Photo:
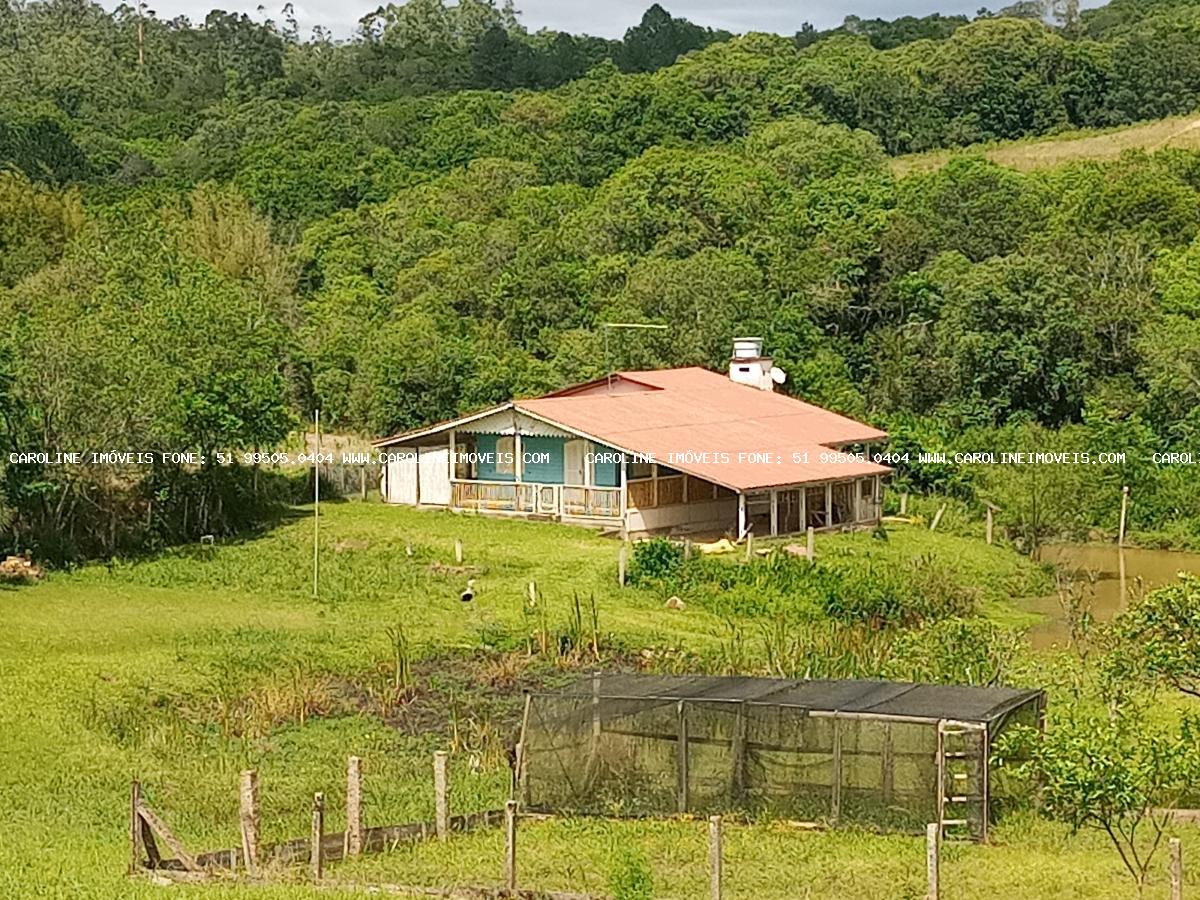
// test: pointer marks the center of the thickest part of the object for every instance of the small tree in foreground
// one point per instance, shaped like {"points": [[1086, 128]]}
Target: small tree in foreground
{"points": [[1158, 637], [1120, 776]]}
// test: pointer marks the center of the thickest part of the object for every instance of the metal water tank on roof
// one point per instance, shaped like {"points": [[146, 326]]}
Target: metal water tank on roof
{"points": [[747, 348]]}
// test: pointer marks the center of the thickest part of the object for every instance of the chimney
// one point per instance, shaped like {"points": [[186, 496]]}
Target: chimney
{"points": [[749, 366]]}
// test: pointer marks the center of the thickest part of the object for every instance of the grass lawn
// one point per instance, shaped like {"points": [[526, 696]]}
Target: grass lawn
{"points": [[184, 669]]}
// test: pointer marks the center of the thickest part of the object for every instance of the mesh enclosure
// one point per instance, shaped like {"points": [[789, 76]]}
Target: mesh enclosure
{"points": [[882, 754]]}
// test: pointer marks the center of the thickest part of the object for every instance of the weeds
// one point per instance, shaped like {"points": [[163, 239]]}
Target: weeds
{"points": [[401, 660]]}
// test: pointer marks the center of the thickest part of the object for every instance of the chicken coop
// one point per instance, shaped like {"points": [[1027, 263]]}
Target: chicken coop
{"points": [[881, 754]]}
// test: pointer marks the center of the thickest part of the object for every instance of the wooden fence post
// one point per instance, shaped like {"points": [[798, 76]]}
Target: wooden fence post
{"points": [[937, 517], [510, 846], [810, 545], [621, 557], [749, 545], [354, 810], [904, 504], [835, 776], [681, 759], [989, 523], [440, 800], [1176, 849], [248, 817], [933, 840], [714, 855], [316, 857], [1124, 508], [458, 551], [596, 712], [887, 762], [135, 828]]}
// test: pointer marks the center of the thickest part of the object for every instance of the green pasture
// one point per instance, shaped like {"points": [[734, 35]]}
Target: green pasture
{"points": [[183, 669]]}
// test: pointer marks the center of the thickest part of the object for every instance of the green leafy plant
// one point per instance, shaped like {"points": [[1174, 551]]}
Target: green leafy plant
{"points": [[655, 561], [630, 877], [1118, 775], [1158, 637]]}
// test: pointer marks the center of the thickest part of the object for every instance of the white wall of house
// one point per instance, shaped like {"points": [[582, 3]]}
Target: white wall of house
{"points": [[434, 476], [400, 476]]}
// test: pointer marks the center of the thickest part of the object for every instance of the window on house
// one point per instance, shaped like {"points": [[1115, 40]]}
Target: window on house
{"points": [[635, 470]]}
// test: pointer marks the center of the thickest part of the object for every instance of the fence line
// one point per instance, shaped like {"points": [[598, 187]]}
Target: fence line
{"points": [[148, 827]]}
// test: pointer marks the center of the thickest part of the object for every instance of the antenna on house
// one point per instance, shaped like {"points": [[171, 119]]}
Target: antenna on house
{"points": [[608, 326]]}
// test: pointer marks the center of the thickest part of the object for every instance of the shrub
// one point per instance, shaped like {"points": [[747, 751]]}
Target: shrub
{"points": [[630, 877], [655, 561]]}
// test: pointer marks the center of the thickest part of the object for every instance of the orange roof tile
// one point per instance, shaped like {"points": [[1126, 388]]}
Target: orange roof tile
{"points": [[701, 423]]}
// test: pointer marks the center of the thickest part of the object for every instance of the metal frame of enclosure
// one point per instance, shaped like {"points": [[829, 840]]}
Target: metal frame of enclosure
{"points": [[881, 754]]}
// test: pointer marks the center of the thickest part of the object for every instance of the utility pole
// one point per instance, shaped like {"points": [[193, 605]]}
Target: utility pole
{"points": [[316, 500]]}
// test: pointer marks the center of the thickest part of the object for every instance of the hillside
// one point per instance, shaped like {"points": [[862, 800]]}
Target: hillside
{"points": [[1182, 132], [397, 229]]}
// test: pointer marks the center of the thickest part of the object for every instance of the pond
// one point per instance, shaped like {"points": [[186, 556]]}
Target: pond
{"points": [[1119, 576]]}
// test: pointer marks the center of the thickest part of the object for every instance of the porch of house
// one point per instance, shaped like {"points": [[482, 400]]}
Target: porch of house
{"points": [[516, 466], [824, 506], [675, 502]]}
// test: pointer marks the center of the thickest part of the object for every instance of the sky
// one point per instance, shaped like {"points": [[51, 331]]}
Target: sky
{"points": [[606, 18]]}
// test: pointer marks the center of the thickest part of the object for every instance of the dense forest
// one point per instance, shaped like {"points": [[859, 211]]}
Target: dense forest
{"points": [[208, 230]]}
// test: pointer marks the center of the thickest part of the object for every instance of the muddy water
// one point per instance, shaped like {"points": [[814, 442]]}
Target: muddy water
{"points": [[1110, 579]]}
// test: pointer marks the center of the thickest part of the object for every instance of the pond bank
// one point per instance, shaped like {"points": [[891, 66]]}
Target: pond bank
{"points": [[1110, 577]]}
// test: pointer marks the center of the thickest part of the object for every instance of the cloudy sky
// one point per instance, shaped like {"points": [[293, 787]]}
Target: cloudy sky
{"points": [[608, 18]]}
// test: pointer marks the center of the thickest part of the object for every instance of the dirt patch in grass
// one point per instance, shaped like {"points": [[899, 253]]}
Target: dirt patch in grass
{"points": [[485, 686]]}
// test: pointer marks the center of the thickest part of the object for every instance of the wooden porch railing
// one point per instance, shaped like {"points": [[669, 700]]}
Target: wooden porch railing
{"points": [[530, 498]]}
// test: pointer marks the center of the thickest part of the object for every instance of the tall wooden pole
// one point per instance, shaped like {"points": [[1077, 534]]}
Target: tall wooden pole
{"points": [[316, 500], [1124, 508]]}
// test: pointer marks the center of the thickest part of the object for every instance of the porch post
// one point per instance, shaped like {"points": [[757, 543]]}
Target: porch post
{"points": [[877, 500], [804, 507], [587, 466], [654, 485], [449, 464], [741, 515], [774, 513], [517, 466], [829, 504], [624, 497]]}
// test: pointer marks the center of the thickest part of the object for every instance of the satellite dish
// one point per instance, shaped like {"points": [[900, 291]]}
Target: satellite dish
{"points": [[778, 375]]}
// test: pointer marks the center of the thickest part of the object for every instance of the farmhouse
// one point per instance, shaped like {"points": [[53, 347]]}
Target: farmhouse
{"points": [[669, 451]]}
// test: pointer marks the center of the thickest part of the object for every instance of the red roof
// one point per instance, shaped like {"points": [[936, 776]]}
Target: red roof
{"points": [[706, 425], [701, 423]]}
